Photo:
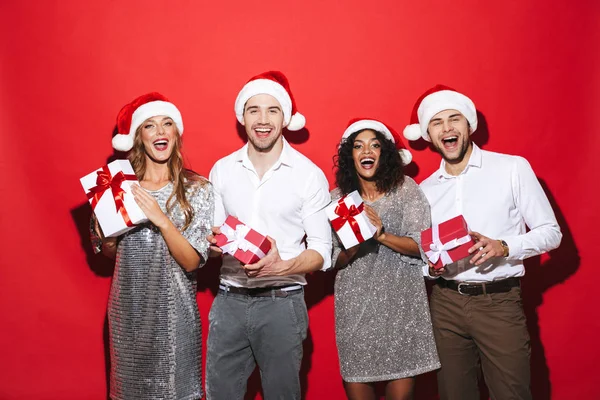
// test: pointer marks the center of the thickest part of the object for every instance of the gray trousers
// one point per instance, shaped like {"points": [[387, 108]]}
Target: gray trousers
{"points": [[245, 331]]}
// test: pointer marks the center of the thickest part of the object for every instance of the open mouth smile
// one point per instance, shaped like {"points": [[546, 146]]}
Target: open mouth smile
{"points": [[263, 131], [367, 162], [161, 144], [450, 141]]}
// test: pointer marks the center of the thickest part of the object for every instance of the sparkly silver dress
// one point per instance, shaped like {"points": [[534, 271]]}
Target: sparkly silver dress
{"points": [[154, 323], [382, 322]]}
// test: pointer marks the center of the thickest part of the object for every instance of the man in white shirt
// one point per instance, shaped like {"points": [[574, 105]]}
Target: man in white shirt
{"points": [[259, 315], [476, 305]]}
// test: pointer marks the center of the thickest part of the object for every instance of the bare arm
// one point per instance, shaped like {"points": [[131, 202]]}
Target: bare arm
{"points": [[345, 256], [400, 244]]}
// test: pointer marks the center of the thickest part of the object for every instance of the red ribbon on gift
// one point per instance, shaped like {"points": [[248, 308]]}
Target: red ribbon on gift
{"points": [[106, 181], [347, 214]]}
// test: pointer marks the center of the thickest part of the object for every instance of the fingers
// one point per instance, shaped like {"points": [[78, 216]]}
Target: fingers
{"points": [[252, 270], [486, 253], [485, 248], [436, 272], [373, 217], [371, 213], [273, 248], [477, 237], [141, 197], [211, 237], [215, 251]]}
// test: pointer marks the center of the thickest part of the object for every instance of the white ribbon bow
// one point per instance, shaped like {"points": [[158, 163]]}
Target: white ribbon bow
{"points": [[237, 240], [439, 250]]}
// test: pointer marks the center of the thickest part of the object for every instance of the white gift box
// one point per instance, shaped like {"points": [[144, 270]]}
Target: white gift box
{"points": [[109, 192], [349, 220]]}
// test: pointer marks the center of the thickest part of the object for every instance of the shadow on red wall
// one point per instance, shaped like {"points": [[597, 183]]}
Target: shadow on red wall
{"points": [[540, 277]]}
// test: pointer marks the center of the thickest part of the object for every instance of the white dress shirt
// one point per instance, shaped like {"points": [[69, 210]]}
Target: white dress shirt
{"points": [[287, 204], [500, 197]]}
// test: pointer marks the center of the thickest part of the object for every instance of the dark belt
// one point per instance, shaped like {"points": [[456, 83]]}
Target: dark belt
{"points": [[476, 289], [271, 291]]}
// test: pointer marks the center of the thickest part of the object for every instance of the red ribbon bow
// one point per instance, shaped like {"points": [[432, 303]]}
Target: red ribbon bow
{"points": [[347, 214], [106, 181]]}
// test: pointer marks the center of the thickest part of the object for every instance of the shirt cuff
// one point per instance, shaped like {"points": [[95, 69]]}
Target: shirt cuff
{"points": [[325, 252], [515, 248]]}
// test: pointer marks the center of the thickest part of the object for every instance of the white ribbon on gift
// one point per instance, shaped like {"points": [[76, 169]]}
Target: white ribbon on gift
{"points": [[439, 250], [237, 240]]}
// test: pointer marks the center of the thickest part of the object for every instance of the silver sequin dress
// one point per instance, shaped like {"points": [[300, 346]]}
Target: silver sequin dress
{"points": [[154, 323], [382, 321]]}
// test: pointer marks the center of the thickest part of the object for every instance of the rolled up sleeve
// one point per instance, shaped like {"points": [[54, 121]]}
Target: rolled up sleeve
{"points": [[314, 220]]}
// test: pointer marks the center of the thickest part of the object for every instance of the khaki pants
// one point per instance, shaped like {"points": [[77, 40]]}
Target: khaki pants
{"points": [[489, 329]]}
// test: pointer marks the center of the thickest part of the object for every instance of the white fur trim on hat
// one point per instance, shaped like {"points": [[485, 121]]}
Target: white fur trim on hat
{"points": [[445, 100], [368, 124], [152, 109], [405, 155], [265, 86]]}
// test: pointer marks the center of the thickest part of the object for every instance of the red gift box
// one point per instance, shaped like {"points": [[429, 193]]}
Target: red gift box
{"points": [[242, 242], [447, 242]]}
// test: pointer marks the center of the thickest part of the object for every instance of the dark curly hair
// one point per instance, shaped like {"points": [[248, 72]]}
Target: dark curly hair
{"points": [[389, 174]]}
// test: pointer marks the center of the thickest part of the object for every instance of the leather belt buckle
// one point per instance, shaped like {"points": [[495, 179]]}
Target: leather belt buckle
{"points": [[458, 289]]}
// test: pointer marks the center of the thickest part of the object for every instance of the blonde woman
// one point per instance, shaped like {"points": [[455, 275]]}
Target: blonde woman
{"points": [[154, 323]]}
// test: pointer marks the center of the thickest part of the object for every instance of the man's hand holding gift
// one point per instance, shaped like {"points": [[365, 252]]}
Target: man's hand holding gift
{"points": [[487, 247]]}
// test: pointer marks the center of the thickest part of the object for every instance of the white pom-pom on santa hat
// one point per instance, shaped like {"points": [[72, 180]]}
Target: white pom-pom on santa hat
{"points": [[406, 156], [433, 101], [122, 142], [133, 114], [412, 132], [297, 122], [359, 124], [273, 83]]}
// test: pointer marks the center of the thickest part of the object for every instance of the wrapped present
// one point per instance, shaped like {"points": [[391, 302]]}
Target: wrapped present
{"points": [[242, 242], [349, 220], [447, 242], [109, 192]]}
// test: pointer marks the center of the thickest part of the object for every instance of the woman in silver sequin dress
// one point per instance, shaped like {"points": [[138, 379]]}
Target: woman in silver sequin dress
{"points": [[154, 323], [383, 326]]}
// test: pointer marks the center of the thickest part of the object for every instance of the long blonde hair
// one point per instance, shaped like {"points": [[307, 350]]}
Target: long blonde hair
{"points": [[177, 173]]}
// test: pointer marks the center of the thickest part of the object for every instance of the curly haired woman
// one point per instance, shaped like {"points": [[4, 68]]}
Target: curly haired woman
{"points": [[383, 326]]}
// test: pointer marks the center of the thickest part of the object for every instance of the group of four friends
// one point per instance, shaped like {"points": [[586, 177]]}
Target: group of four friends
{"points": [[386, 330]]}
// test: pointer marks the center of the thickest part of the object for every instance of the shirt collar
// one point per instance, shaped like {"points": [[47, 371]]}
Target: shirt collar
{"points": [[474, 161], [285, 158]]}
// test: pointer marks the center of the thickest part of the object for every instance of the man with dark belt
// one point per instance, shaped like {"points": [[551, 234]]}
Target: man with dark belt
{"points": [[476, 306], [259, 315]]}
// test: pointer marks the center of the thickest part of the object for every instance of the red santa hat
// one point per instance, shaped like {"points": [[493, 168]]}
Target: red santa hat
{"points": [[132, 115], [436, 99], [359, 124], [273, 83]]}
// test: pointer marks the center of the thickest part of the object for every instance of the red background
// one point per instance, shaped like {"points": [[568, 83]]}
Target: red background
{"points": [[532, 68]]}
